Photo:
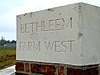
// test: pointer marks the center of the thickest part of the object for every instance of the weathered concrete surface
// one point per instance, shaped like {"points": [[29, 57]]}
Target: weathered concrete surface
{"points": [[89, 27], [44, 35], [67, 34]]}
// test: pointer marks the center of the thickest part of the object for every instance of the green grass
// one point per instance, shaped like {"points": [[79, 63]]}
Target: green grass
{"points": [[6, 50], [7, 56]]}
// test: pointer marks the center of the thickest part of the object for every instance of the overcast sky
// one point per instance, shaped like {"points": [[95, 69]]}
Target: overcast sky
{"points": [[10, 8]]}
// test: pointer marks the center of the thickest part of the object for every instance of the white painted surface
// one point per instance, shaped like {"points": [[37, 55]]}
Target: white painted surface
{"points": [[67, 34], [8, 71]]}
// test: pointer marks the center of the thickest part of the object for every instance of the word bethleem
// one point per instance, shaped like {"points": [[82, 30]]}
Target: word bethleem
{"points": [[56, 46], [46, 25]]}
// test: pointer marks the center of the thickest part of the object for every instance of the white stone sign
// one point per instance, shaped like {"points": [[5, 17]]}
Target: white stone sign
{"points": [[68, 34]]}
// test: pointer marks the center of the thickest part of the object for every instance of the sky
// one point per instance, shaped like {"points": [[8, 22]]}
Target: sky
{"points": [[10, 8]]}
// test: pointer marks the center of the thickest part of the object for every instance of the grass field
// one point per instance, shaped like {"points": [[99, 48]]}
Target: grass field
{"points": [[7, 56]]}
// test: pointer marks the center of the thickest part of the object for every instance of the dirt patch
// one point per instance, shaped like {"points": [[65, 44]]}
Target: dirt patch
{"points": [[7, 60]]}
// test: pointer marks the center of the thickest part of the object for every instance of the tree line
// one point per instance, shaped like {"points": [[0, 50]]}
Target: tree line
{"points": [[4, 42]]}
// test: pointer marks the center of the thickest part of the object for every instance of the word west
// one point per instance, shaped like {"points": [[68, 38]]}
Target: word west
{"points": [[46, 25], [56, 46]]}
